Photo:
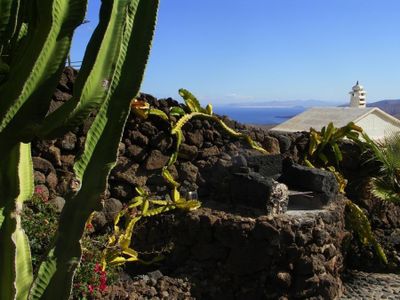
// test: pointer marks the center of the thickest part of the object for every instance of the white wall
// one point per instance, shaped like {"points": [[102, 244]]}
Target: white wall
{"points": [[376, 126]]}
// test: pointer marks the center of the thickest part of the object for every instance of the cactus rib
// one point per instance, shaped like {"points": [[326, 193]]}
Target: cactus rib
{"points": [[15, 255], [138, 22]]}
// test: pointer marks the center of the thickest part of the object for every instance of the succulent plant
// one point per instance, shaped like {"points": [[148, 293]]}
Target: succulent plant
{"points": [[35, 38]]}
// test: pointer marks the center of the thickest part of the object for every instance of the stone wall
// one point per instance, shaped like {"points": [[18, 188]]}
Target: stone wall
{"points": [[230, 255], [227, 251]]}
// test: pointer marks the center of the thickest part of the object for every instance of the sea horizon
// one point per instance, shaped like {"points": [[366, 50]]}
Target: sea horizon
{"points": [[259, 115]]}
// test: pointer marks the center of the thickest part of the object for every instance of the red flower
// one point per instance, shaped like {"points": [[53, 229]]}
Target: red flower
{"points": [[89, 226], [97, 268], [38, 190], [91, 288]]}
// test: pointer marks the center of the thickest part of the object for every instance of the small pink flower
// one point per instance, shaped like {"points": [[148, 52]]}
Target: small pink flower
{"points": [[91, 288], [97, 268], [38, 190]]}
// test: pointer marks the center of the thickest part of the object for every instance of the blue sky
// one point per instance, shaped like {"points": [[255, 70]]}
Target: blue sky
{"points": [[228, 51]]}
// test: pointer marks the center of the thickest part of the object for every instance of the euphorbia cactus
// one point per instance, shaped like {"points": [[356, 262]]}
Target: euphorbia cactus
{"points": [[35, 37]]}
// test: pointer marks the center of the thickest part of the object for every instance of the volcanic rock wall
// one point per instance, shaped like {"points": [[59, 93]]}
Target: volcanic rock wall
{"points": [[227, 254], [230, 255]]}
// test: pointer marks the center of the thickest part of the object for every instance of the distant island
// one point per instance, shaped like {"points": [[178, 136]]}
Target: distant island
{"points": [[391, 106], [287, 103]]}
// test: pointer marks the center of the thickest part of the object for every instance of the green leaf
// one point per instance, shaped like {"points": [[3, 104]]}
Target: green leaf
{"points": [[191, 101], [158, 113], [8, 20], [338, 153], [209, 109], [177, 111], [167, 175], [1, 215], [361, 225], [140, 191]]}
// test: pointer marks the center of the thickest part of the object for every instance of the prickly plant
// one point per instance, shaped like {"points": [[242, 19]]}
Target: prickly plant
{"points": [[192, 105], [118, 250], [322, 145], [35, 38]]}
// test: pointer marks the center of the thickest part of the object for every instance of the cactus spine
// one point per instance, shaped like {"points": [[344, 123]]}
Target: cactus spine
{"points": [[110, 77]]}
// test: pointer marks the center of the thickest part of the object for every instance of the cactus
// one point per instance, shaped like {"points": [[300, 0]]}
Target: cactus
{"points": [[322, 145], [117, 250], [110, 77]]}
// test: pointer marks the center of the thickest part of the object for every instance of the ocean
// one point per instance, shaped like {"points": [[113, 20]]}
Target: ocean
{"points": [[259, 115]]}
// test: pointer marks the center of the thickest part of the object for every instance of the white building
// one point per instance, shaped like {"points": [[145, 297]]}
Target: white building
{"points": [[358, 96], [374, 121]]}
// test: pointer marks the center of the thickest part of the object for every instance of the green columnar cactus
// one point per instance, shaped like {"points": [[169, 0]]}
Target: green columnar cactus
{"points": [[110, 77]]}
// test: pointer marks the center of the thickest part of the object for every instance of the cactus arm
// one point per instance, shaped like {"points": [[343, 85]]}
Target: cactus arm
{"points": [[360, 224], [8, 20], [102, 142], [26, 94], [15, 258], [92, 84]]}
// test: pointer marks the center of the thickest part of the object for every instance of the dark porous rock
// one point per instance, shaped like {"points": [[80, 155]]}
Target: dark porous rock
{"points": [[43, 165], [137, 153], [67, 80], [208, 152], [188, 152], [148, 129], [266, 165], [54, 155], [310, 179], [111, 208], [161, 141], [64, 180], [138, 138], [68, 161], [39, 177], [127, 171], [188, 171], [209, 135], [58, 203], [251, 257], [271, 144], [156, 160], [52, 181], [195, 138], [197, 124], [99, 220], [122, 190], [284, 279], [250, 189], [239, 164], [68, 142], [58, 99], [121, 149], [86, 124], [284, 142]]}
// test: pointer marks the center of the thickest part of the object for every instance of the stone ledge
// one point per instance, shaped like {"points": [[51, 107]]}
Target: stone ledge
{"points": [[242, 254]]}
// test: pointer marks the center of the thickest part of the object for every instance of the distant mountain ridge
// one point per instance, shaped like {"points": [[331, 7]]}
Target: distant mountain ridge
{"points": [[391, 106]]}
